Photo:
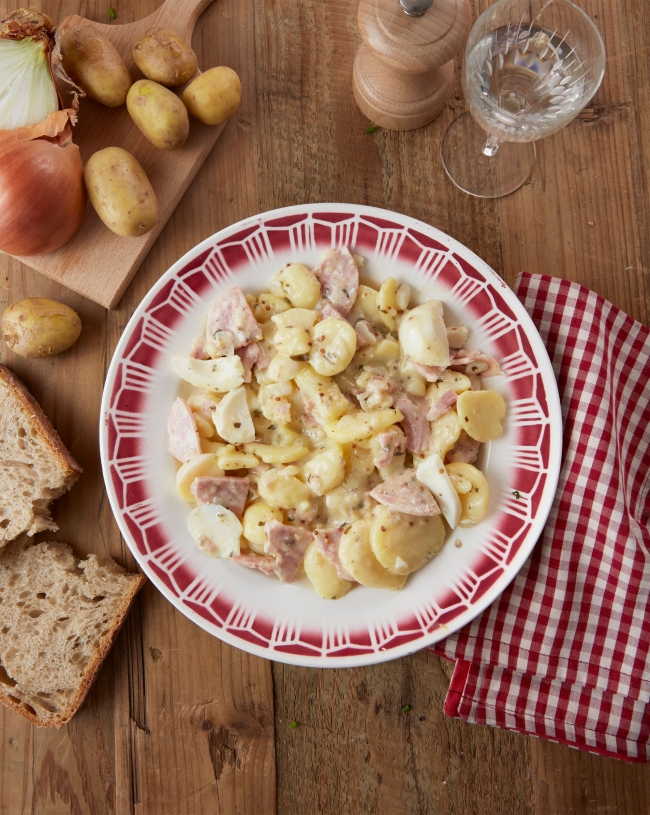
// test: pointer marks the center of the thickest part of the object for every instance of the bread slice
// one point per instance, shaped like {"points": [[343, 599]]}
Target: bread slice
{"points": [[35, 467], [58, 619]]}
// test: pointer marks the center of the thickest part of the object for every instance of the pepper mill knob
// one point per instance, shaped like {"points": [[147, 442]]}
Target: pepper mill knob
{"points": [[404, 69]]}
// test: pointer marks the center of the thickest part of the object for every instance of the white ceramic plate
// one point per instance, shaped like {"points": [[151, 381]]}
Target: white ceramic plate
{"points": [[291, 623]]}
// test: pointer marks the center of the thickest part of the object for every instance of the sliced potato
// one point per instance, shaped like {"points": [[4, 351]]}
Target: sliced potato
{"points": [[283, 491], [197, 466], [404, 543], [322, 574], [359, 425], [255, 517], [325, 470], [359, 561], [321, 395], [300, 285], [445, 432], [334, 343], [475, 502], [481, 414]]}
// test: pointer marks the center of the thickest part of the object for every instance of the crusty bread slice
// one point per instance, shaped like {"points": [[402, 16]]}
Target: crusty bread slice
{"points": [[35, 466], [58, 619]]}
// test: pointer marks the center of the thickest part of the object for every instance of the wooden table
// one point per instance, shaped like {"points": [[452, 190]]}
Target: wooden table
{"points": [[179, 723]]}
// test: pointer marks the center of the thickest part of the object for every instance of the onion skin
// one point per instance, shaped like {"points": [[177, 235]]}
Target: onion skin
{"points": [[42, 193]]}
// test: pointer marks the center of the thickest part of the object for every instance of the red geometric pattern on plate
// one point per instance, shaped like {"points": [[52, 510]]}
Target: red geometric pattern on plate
{"points": [[256, 244]]}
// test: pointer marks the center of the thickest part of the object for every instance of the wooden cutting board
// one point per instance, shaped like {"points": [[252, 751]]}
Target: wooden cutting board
{"points": [[97, 263]]}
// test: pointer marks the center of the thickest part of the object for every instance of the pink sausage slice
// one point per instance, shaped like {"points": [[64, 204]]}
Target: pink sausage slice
{"points": [[403, 492], [288, 544], [338, 276], [184, 441], [328, 310], [231, 312], [415, 424], [465, 450], [445, 403], [391, 442], [262, 562], [328, 541], [250, 355], [228, 491]]}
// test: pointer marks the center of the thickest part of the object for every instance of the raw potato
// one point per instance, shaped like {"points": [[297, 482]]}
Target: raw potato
{"points": [[481, 414], [165, 57], [404, 543], [93, 63], [159, 114], [38, 327], [323, 576], [120, 192], [213, 96], [359, 562]]}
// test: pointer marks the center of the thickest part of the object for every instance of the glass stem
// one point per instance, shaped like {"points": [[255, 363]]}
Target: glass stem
{"points": [[491, 146]]}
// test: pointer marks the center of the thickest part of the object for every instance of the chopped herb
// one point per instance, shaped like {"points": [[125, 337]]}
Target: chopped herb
{"points": [[371, 129], [517, 494], [111, 14], [406, 708], [293, 725]]}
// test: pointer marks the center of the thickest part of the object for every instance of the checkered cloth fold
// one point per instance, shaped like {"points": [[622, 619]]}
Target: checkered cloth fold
{"points": [[564, 652]]}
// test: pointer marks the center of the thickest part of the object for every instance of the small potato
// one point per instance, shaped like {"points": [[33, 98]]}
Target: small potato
{"points": [[120, 192], [93, 63], [37, 327], [165, 57], [159, 114], [213, 96]]}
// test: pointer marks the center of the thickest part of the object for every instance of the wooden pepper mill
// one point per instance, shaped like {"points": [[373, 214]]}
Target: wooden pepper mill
{"points": [[404, 69]]}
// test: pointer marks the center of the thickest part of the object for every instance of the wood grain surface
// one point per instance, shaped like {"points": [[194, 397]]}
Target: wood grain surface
{"points": [[178, 723]]}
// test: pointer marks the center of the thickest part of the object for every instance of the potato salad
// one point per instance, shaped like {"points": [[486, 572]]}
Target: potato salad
{"points": [[332, 427]]}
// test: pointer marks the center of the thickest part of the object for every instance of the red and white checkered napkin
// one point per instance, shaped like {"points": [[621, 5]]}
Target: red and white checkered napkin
{"points": [[564, 653]]}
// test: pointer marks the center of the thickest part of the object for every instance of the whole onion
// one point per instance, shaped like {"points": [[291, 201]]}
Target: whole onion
{"points": [[42, 194]]}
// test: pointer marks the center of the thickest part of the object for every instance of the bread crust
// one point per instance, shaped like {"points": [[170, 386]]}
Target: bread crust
{"points": [[92, 669], [20, 392]]}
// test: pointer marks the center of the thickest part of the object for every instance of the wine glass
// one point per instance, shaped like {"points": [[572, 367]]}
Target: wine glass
{"points": [[530, 67]]}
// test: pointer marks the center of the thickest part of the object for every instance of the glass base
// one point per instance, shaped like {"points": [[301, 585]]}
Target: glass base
{"points": [[474, 172]]}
